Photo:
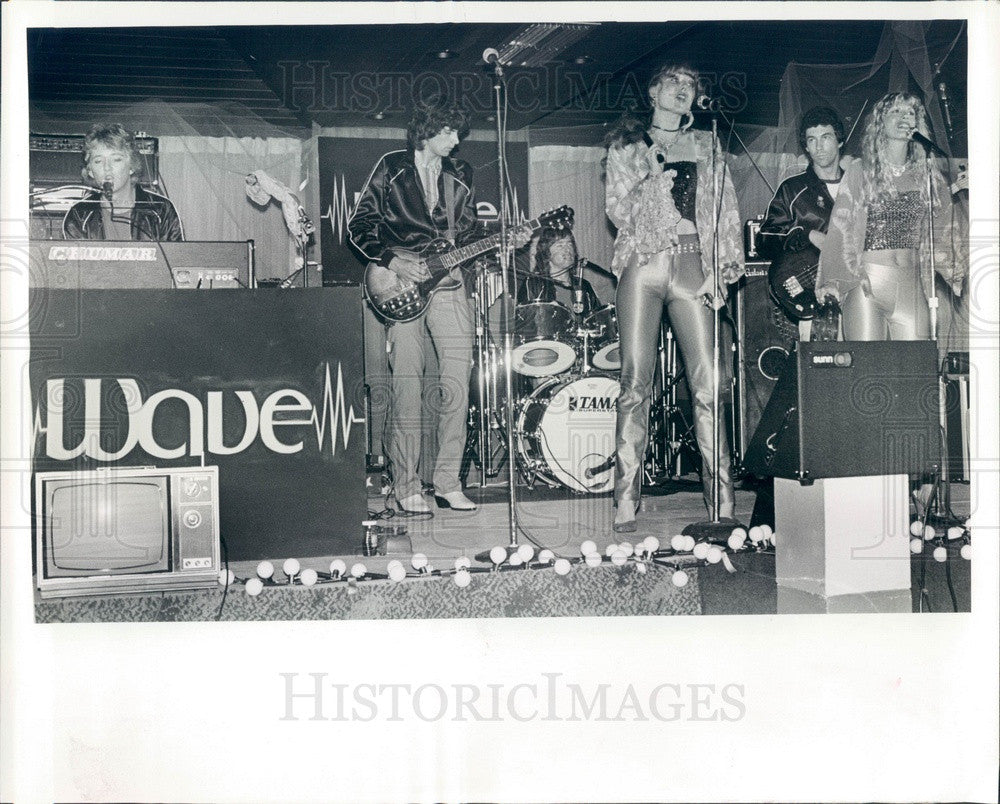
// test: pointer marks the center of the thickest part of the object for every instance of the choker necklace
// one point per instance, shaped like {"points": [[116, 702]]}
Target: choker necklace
{"points": [[661, 128]]}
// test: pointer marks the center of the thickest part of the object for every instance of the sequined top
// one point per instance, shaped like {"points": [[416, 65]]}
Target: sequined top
{"points": [[894, 221], [685, 187]]}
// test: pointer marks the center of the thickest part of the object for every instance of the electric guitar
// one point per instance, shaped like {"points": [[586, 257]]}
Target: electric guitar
{"points": [[792, 281], [397, 300]]}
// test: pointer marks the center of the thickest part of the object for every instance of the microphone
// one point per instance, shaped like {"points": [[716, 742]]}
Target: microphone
{"points": [[578, 288], [916, 136], [594, 471], [107, 190], [942, 88], [707, 103], [490, 56]]}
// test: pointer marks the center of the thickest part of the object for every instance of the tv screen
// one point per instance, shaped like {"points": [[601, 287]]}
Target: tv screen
{"points": [[112, 527]]}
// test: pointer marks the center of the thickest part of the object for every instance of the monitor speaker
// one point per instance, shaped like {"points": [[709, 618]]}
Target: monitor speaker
{"points": [[849, 409], [766, 336]]}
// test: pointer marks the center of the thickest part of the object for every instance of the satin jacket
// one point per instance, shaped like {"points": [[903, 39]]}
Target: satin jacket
{"points": [[392, 211], [802, 204], [152, 218]]}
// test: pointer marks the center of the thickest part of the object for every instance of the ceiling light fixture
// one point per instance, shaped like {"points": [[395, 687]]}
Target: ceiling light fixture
{"points": [[538, 44]]}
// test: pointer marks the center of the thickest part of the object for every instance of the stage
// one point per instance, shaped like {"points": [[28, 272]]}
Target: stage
{"points": [[554, 518]]}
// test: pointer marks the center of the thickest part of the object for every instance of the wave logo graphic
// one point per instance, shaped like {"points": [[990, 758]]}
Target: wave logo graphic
{"points": [[271, 421]]}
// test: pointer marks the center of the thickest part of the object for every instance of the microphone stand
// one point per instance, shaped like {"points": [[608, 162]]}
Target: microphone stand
{"points": [[506, 265], [715, 529]]}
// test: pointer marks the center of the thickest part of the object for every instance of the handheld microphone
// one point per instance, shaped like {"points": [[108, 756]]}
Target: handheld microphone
{"points": [[107, 189], [930, 145]]}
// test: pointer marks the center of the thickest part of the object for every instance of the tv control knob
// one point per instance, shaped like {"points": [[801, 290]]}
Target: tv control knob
{"points": [[192, 519]]}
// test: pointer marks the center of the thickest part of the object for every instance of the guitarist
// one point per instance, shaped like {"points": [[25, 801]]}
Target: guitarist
{"points": [[798, 215], [411, 198]]}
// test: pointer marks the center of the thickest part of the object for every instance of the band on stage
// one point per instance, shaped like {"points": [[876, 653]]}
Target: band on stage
{"points": [[853, 244]]}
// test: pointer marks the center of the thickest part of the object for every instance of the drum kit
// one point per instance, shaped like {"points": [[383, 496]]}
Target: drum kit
{"points": [[566, 387]]}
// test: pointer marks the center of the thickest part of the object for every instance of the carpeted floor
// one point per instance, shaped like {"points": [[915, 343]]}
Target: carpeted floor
{"points": [[599, 591]]}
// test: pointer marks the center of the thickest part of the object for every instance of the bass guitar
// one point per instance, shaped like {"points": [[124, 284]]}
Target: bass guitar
{"points": [[396, 300], [792, 282]]}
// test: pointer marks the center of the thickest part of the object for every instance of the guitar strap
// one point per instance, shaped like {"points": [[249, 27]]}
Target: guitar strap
{"points": [[449, 205]]}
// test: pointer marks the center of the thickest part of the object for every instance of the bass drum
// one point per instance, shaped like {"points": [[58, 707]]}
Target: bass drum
{"points": [[566, 432]]}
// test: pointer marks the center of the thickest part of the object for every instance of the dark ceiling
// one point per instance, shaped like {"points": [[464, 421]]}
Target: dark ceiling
{"points": [[294, 77]]}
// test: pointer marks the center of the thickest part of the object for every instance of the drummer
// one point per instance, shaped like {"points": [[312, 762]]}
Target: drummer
{"points": [[554, 274]]}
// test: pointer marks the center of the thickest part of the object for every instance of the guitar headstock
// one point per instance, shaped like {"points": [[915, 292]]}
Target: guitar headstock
{"points": [[559, 218]]}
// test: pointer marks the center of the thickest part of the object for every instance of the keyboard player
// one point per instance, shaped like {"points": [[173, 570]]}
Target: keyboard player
{"points": [[119, 208]]}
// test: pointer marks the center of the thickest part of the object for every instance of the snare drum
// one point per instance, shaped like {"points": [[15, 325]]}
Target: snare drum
{"points": [[606, 350], [566, 432], [543, 333]]}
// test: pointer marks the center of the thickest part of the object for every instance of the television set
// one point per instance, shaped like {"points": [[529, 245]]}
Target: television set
{"points": [[126, 530]]}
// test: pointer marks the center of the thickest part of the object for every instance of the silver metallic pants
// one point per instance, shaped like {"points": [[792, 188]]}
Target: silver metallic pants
{"points": [[665, 281], [891, 306]]}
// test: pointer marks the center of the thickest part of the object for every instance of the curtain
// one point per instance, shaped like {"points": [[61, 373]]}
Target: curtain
{"points": [[204, 177]]}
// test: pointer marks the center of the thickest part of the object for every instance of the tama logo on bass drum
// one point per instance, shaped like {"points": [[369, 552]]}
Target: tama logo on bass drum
{"points": [[593, 403]]}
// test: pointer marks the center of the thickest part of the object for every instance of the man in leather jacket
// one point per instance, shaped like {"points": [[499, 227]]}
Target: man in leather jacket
{"points": [[121, 209], [411, 198], [799, 214]]}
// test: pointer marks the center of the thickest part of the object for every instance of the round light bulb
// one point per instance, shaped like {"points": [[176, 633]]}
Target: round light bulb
{"points": [[463, 562], [774, 538], [678, 543], [755, 533], [955, 532], [226, 577], [640, 568], [626, 548], [587, 547], [516, 560], [916, 527], [359, 570], [418, 561], [610, 549], [929, 533], [689, 543], [265, 569], [714, 555], [679, 579], [546, 556], [735, 540], [767, 530], [562, 566], [967, 552], [940, 554], [651, 544], [618, 558], [700, 550], [462, 578], [397, 571], [498, 555], [309, 577], [593, 559], [291, 567], [254, 587], [527, 552], [338, 567], [741, 532], [916, 546]]}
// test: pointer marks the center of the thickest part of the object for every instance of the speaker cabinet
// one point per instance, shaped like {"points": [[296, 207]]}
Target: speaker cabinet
{"points": [[766, 336], [851, 408]]}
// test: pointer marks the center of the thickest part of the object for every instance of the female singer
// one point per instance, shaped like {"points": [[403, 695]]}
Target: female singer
{"points": [[877, 252], [662, 180], [876, 256]]}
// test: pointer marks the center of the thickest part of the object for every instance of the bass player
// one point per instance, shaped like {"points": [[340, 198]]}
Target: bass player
{"points": [[798, 215]]}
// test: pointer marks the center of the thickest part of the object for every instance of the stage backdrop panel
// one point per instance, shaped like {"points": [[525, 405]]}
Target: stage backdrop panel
{"points": [[265, 384], [345, 164]]}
